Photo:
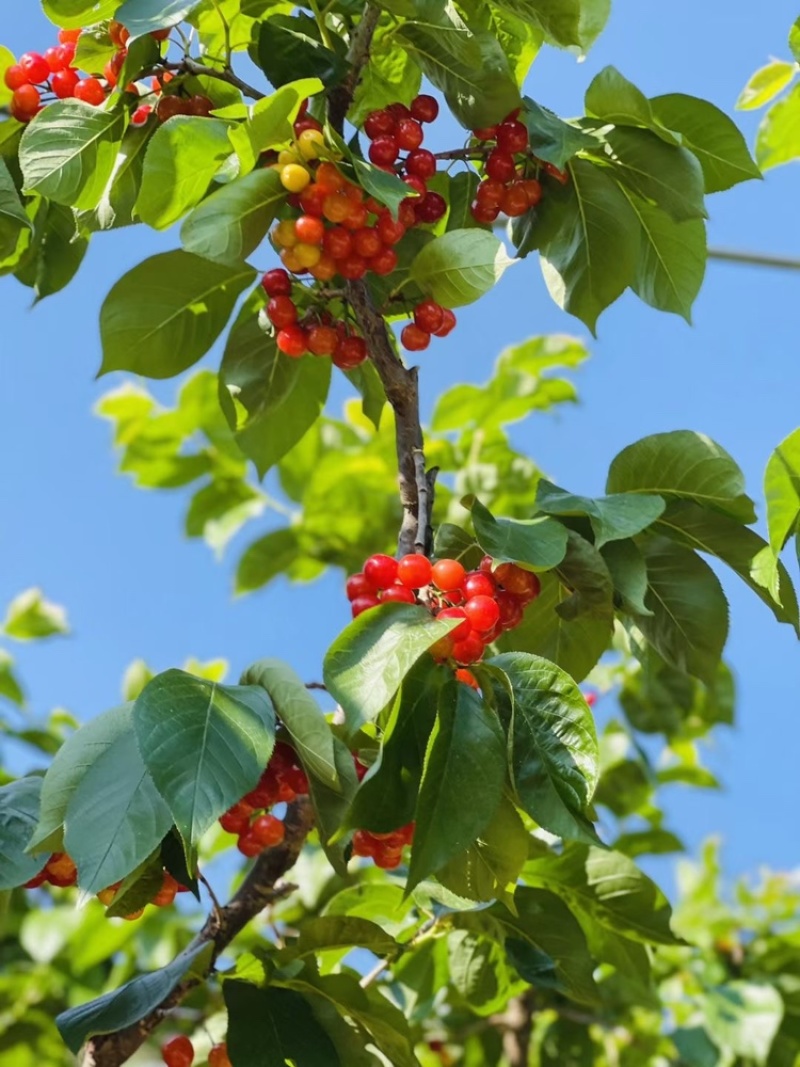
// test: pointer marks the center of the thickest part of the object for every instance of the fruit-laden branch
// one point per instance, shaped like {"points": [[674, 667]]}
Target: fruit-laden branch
{"points": [[260, 888]]}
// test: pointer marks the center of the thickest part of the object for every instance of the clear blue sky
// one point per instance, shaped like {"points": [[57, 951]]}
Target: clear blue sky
{"points": [[116, 557]]}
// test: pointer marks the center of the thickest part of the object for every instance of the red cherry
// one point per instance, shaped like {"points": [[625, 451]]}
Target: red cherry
{"points": [[276, 282], [298, 780], [66, 54], [512, 136], [358, 585], [424, 108], [25, 103], [35, 66], [422, 163], [384, 150], [381, 571], [416, 183], [312, 201], [55, 59], [141, 114], [363, 842], [114, 66], [490, 192], [448, 574], [322, 340], [523, 584], [408, 134], [533, 189], [15, 77], [292, 341], [432, 208], [429, 315], [485, 133], [486, 564], [467, 677], [338, 242], [350, 353], [479, 584], [367, 242], [384, 263], [448, 323], [178, 1052], [309, 230], [515, 200], [389, 230], [37, 880], [363, 603], [482, 612], [511, 610], [414, 571], [398, 594], [559, 175], [161, 35], [248, 846], [406, 214], [68, 36], [469, 650], [461, 632], [414, 339], [378, 123], [236, 819], [352, 267], [485, 213], [282, 311], [218, 1056], [90, 91], [267, 831], [388, 858], [306, 123], [500, 166]]}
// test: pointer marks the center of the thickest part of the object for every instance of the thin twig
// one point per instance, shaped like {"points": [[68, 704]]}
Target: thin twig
{"points": [[187, 65], [317, 685], [214, 901], [755, 259]]}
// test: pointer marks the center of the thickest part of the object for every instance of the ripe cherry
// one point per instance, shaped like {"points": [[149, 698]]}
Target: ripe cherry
{"points": [[35, 66], [178, 1052], [414, 339], [378, 123], [276, 282], [482, 612], [469, 650], [381, 571], [485, 133], [324, 269], [500, 166], [485, 213], [398, 594], [68, 36], [66, 54], [468, 678], [55, 58], [15, 77], [358, 585], [322, 340], [463, 630], [490, 192], [384, 263], [511, 610], [352, 267], [362, 604], [367, 242], [312, 199], [515, 200], [448, 574], [329, 177], [408, 134], [431, 208], [414, 571], [282, 311], [424, 108], [309, 230], [338, 242], [161, 35], [141, 114], [428, 315], [118, 33], [390, 230], [479, 584], [292, 341], [533, 190], [413, 181], [512, 136], [249, 846], [236, 819], [384, 150], [218, 1056], [25, 103], [518, 581], [90, 91], [268, 831], [350, 353], [167, 893], [448, 323]]}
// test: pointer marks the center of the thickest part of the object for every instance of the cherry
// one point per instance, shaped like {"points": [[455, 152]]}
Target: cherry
{"points": [[424, 108], [428, 315], [292, 341], [309, 230], [312, 199], [381, 571], [168, 107], [448, 323], [416, 183], [482, 612], [294, 178], [218, 1056], [282, 311], [55, 58], [367, 242], [114, 66], [515, 200], [268, 831], [398, 594], [249, 846], [463, 630], [414, 571], [486, 213], [559, 175], [485, 133], [408, 134], [511, 611], [500, 165], [443, 648], [350, 353], [384, 150], [379, 123], [590, 698], [90, 91], [358, 585], [140, 115], [37, 880], [421, 162], [338, 242], [518, 581], [329, 177], [533, 190], [448, 574], [161, 35], [35, 66], [388, 858], [414, 339], [324, 269], [66, 54], [469, 650], [178, 1052], [68, 36], [236, 819], [167, 893], [432, 208], [352, 267], [467, 677], [389, 230], [118, 34], [363, 603], [322, 340], [490, 192], [15, 77], [384, 263], [512, 136], [478, 584], [25, 103], [486, 564], [276, 282]]}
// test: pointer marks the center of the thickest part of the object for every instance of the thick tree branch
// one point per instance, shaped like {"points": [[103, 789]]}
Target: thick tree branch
{"points": [[261, 887]]}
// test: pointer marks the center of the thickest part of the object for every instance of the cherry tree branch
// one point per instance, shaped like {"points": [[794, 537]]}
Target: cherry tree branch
{"points": [[261, 887]]}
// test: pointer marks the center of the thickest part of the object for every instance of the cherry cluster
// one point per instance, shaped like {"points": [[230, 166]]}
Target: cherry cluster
{"points": [[385, 849], [283, 780], [59, 871], [170, 887], [487, 602], [169, 106], [510, 186], [179, 1052]]}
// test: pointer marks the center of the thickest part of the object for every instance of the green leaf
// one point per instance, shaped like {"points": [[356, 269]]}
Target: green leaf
{"points": [[660, 699], [7, 59], [266, 558], [782, 491], [590, 242], [605, 887], [471, 69], [486, 869], [554, 753], [664, 175], [277, 399], [584, 572], [467, 746], [711, 135], [19, 811], [267, 1027], [390, 76], [794, 40], [10, 687], [270, 121], [343, 931], [132, 1001], [55, 253], [73, 14], [29, 617], [331, 807], [384, 187], [116, 205], [204, 744], [648, 843], [614, 99], [300, 714], [685, 465], [373, 397], [68, 152], [766, 83], [460, 266], [232, 223], [289, 47], [567, 23], [95, 49], [613, 518], [114, 817], [628, 572], [366, 664], [163, 315], [747, 554], [778, 138], [552, 139], [689, 621], [672, 259], [144, 16], [183, 156], [539, 543], [743, 1018], [13, 218], [139, 887]]}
